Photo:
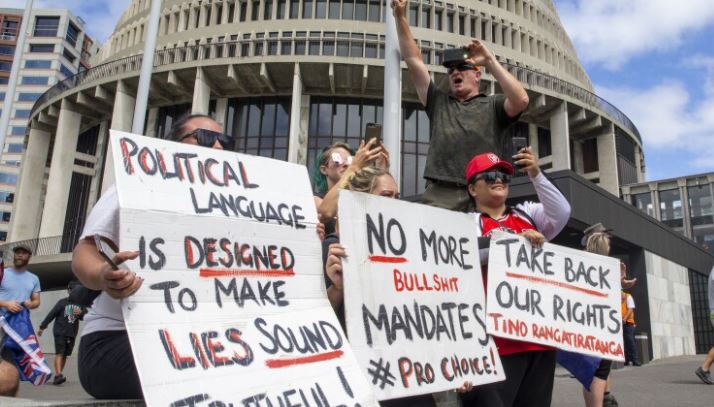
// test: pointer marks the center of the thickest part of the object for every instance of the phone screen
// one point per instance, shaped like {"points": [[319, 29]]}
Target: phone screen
{"points": [[373, 130], [106, 250]]}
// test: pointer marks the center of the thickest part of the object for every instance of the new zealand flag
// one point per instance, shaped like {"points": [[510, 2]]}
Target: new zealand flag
{"points": [[21, 340]]}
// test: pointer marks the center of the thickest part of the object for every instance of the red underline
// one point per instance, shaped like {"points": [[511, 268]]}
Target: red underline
{"points": [[557, 284], [246, 272], [302, 360], [387, 259]]}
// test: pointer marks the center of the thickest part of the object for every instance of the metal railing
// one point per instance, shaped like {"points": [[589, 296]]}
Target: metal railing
{"points": [[43, 246], [269, 47]]}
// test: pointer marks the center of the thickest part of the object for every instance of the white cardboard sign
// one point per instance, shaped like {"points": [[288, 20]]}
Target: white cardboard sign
{"points": [[233, 308], [554, 295], [414, 296]]}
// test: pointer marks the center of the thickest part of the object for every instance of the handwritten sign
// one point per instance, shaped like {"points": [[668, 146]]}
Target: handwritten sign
{"points": [[233, 309], [554, 295], [414, 296]]}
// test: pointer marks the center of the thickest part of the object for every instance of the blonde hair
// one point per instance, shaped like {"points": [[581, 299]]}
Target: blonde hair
{"points": [[598, 243], [365, 179]]}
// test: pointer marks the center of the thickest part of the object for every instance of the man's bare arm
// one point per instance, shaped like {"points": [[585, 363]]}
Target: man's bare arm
{"points": [[410, 51]]}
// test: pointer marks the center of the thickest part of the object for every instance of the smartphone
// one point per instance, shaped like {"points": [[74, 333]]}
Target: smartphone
{"points": [[517, 144], [373, 130], [106, 250], [455, 56]]}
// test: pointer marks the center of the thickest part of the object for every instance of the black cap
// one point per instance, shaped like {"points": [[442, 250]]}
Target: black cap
{"points": [[22, 246]]}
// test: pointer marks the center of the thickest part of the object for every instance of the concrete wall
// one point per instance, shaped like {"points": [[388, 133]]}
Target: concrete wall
{"points": [[670, 308]]}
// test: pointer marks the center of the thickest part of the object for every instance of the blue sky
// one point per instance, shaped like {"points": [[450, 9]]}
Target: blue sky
{"points": [[653, 59]]}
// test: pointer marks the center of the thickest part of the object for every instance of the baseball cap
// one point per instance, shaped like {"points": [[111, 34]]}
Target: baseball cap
{"points": [[596, 228], [484, 162], [22, 246]]}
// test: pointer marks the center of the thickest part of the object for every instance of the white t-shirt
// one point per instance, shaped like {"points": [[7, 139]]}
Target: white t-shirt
{"points": [[630, 302], [105, 313]]}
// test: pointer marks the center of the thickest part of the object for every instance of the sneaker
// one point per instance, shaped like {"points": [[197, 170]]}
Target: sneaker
{"points": [[59, 379], [609, 401], [704, 375]]}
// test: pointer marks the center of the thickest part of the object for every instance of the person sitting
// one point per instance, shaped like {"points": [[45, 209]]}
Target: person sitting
{"points": [[529, 367], [106, 366]]}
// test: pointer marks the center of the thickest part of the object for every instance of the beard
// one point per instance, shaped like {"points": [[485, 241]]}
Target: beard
{"points": [[19, 263]]}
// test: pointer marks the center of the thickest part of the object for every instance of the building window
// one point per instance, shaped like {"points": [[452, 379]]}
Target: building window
{"points": [[374, 10], [243, 10], [314, 43], [42, 48], [35, 80], [260, 126], [294, 8], [3, 235], [361, 10], [255, 12], [347, 9], [167, 116], [334, 9], [66, 71], [703, 330], [643, 202], [415, 146], [590, 157], [413, 14], [38, 64], [670, 209], [72, 34], [14, 148], [438, 15], [69, 56], [28, 97], [425, 16], [18, 130], [320, 8], [46, 26], [268, 10], [9, 30], [544, 146], [7, 196], [5, 66], [22, 113], [5, 216], [6, 178], [307, 9], [7, 50], [281, 9], [700, 205]]}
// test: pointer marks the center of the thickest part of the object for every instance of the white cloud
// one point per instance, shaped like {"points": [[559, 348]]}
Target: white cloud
{"points": [[100, 16], [610, 32], [670, 118]]}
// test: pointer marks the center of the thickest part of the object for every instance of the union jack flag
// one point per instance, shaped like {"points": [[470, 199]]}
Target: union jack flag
{"points": [[21, 340]]}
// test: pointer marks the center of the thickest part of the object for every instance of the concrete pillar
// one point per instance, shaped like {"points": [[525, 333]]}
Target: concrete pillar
{"points": [[151, 120], [102, 141], [65, 146], [533, 138], [508, 37], [516, 34], [121, 120], [221, 108], [224, 13], [684, 196], [607, 161], [295, 108], [26, 211], [214, 14], [499, 33], [578, 165], [479, 34], [655, 200], [560, 137], [201, 93], [488, 35]]}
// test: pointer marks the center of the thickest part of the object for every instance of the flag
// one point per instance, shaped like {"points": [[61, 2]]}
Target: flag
{"points": [[26, 353], [583, 367]]}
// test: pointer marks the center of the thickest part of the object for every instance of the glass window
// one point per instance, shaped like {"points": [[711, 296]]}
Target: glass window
{"points": [[9, 30], [590, 156], [450, 22], [438, 15], [314, 45], [413, 13], [255, 11], [370, 49], [5, 66], [425, 16], [7, 196], [72, 34], [281, 9], [38, 63], [46, 26], [544, 147], [347, 9], [243, 10], [307, 9], [670, 206], [343, 45], [7, 49], [69, 56], [356, 47], [361, 10], [66, 71], [6, 178], [335, 9], [700, 204], [374, 10], [22, 113], [268, 10], [42, 48], [294, 8], [14, 148], [35, 80], [18, 130], [260, 125], [320, 8], [5, 216]]}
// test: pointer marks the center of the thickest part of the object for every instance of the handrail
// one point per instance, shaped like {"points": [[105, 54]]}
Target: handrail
{"points": [[235, 49], [41, 246]]}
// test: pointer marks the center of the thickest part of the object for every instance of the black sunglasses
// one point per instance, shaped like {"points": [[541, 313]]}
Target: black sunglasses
{"points": [[207, 138], [461, 68], [491, 176]]}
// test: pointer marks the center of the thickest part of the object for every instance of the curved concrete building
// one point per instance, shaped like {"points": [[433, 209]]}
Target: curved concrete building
{"points": [[288, 77]]}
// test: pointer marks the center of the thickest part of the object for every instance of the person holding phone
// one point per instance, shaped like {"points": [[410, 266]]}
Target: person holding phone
{"points": [[106, 365], [463, 122]]}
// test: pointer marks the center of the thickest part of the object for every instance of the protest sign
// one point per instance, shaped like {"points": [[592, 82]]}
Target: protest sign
{"points": [[233, 308], [414, 296], [554, 295]]}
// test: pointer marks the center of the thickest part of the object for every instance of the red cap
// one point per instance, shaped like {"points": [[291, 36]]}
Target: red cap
{"points": [[484, 162]]}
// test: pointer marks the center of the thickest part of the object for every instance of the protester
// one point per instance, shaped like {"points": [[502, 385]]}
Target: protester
{"points": [[703, 371], [464, 122], [106, 365], [529, 368], [331, 163], [628, 329], [19, 290], [66, 316]]}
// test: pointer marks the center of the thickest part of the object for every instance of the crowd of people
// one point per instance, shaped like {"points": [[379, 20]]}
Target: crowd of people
{"points": [[468, 168]]}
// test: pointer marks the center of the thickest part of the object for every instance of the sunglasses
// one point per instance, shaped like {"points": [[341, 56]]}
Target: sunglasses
{"points": [[491, 176], [337, 160], [460, 68], [207, 138]]}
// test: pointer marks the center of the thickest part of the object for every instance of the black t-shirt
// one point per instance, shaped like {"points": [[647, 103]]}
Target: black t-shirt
{"points": [[461, 130], [329, 225], [66, 321]]}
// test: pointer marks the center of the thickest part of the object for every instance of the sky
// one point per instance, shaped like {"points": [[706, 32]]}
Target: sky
{"points": [[653, 59]]}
